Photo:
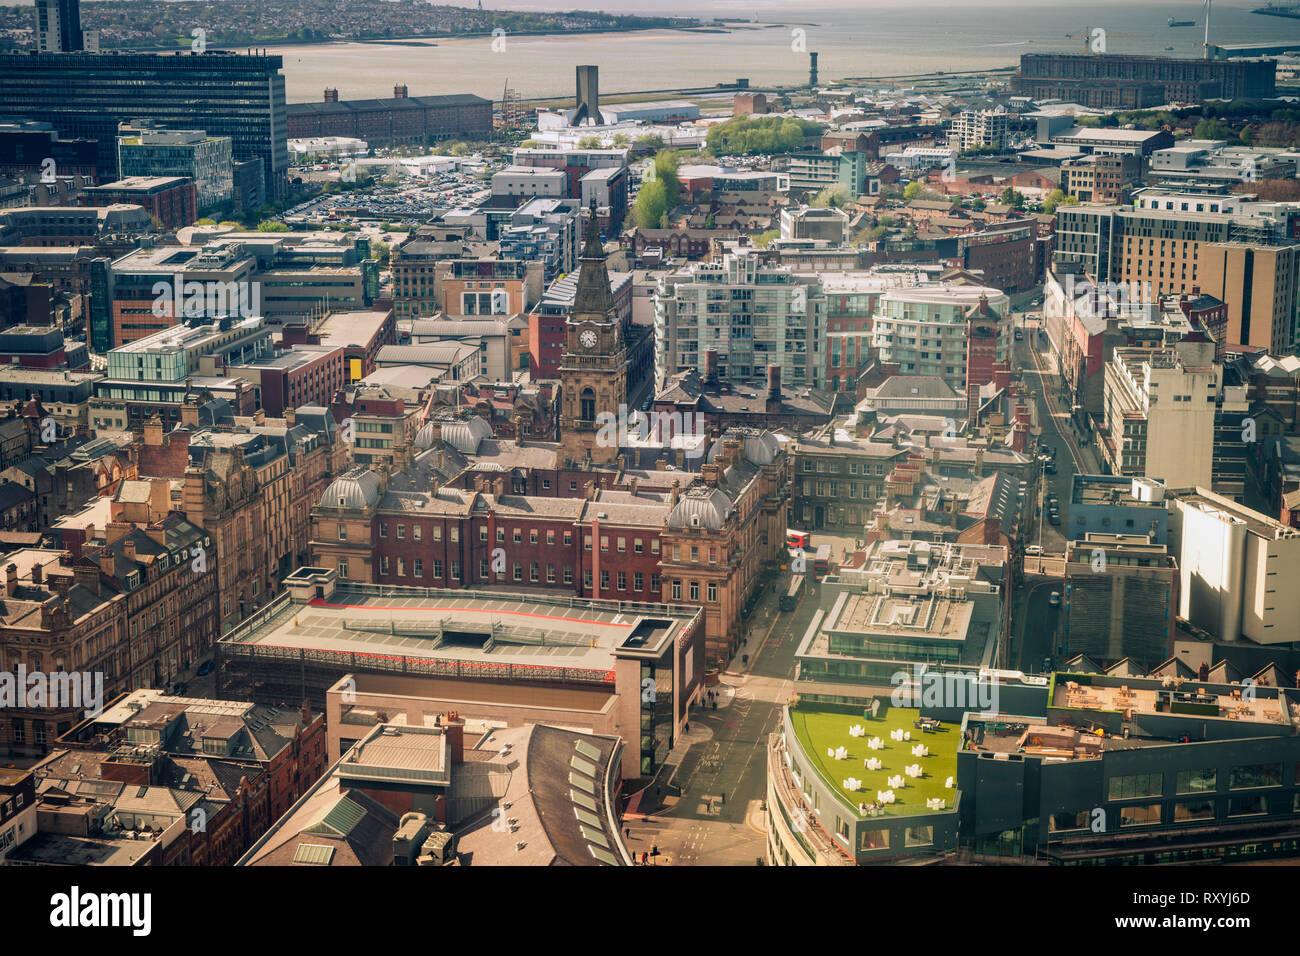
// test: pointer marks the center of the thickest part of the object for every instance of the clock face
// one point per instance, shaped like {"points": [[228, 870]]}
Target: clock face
{"points": [[588, 339]]}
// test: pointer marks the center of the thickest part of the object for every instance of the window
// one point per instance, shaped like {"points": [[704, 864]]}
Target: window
{"points": [[604, 580], [383, 565], [501, 535], [677, 590], [455, 570], [550, 574], [1189, 811], [416, 532], [695, 590], [343, 531], [1139, 815], [518, 571], [654, 583], [586, 578], [483, 534], [401, 567], [1136, 785], [1196, 781], [343, 567], [622, 580], [383, 529], [568, 574], [919, 836], [417, 568], [874, 840], [568, 538], [1069, 820], [636, 545], [1246, 806], [1256, 775], [518, 536], [586, 542], [622, 545], [482, 569], [638, 579], [534, 571], [401, 532], [550, 537], [604, 543]]}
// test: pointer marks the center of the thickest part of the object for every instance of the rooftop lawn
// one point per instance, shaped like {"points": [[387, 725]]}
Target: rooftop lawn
{"points": [[818, 730]]}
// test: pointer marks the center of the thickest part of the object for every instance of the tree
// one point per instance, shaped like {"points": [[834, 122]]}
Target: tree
{"points": [[745, 135], [379, 250], [651, 204], [832, 197], [1052, 200], [763, 239], [590, 142], [1011, 197], [268, 225], [913, 190], [649, 142], [206, 222]]}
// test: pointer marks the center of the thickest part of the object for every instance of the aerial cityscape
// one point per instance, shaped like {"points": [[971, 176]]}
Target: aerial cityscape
{"points": [[727, 436]]}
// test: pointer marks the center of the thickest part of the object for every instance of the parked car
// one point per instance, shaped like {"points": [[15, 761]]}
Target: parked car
{"points": [[204, 668], [1055, 599], [1054, 518], [1049, 467]]}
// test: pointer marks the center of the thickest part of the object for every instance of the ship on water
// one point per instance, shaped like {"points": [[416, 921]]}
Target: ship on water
{"points": [[1289, 10], [1181, 23]]}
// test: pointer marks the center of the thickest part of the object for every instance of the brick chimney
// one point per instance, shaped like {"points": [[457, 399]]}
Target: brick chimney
{"points": [[498, 486], [455, 728], [711, 473], [399, 91], [11, 579], [38, 573], [128, 549], [773, 389], [677, 493], [711, 367], [290, 417], [87, 577], [331, 95], [153, 432]]}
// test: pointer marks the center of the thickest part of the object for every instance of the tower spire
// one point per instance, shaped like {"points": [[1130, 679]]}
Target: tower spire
{"points": [[593, 296]]}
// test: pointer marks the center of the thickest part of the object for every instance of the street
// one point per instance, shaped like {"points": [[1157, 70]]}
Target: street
{"points": [[719, 819]]}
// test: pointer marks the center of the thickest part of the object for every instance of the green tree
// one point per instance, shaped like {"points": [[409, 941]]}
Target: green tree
{"points": [[380, 251], [206, 222], [832, 197], [651, 204], [764, 239], [1052, 200], [1011, 197], [590, 142], [913, 190], [268, 225]]}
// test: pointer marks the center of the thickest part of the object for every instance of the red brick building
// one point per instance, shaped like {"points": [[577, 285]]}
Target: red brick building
{"points": [[174, 200]]}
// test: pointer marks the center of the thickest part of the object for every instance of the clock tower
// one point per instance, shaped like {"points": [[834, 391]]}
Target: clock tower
{"points": [[593, 366]]}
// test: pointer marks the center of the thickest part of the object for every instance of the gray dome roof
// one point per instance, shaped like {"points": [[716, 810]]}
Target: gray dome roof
{"points": [[760, 447], [357, 489], [701, 507], [462, 434]]}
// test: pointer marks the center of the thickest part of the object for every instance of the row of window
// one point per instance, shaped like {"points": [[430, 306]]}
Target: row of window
{"points": [[1244, 777]]}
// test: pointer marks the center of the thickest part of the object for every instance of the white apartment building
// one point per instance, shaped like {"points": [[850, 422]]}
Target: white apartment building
{"points": [[753, 315], [975, 129], [1160, 407], [1237, 568], [923, 328]]}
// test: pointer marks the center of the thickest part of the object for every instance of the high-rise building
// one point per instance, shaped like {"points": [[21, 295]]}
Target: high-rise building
{"points": [[1129, 82], [208, 160], [58, 26], [978, 129], [90, 94], [754, 315]]}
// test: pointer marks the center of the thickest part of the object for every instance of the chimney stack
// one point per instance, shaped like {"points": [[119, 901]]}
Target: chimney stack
{"points": [[773, 388], [38, 573], [711, 367], [331, 95], [399, 91], [128, 549], [11, 579]]}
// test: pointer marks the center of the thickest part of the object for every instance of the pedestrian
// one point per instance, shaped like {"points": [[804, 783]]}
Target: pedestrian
{"points": [[645, 858], [627, 832]]}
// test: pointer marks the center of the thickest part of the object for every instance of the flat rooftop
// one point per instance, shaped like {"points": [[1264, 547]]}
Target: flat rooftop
{"points": [[1198, 700], [820, 730], [502, 635]]}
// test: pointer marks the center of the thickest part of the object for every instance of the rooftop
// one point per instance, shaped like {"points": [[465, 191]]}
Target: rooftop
{"points": [[823, 730]]}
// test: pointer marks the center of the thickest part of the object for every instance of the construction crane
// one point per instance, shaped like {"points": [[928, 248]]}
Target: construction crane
{"points": [[1088, 38]]}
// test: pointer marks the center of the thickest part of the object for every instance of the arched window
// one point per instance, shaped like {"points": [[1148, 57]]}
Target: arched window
{"points": [[588, 405]]}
